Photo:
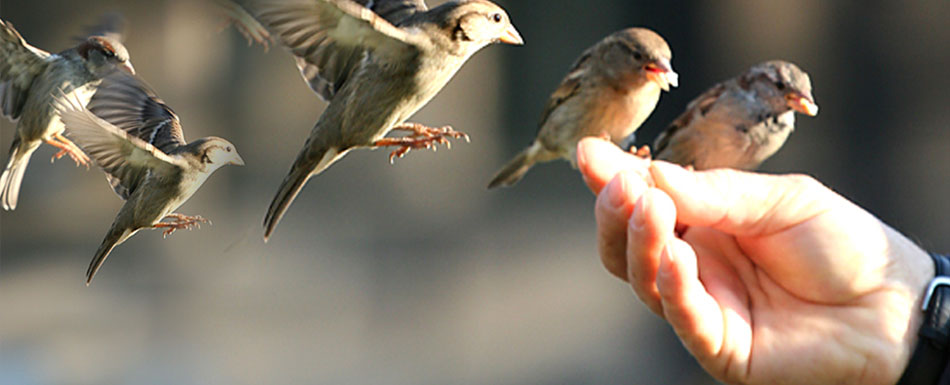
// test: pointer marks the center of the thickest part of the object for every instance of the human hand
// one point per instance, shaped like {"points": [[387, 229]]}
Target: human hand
{"points": [[765, 279]]}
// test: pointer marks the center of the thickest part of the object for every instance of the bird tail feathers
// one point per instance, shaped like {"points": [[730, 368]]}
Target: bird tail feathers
{"points": [[517, 167], [13, 175], [294, 182], [113, 239]]}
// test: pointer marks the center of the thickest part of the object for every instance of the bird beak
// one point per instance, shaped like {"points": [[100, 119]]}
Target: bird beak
{"points": [[127, 68], [801, 103], [661, 72], [237, 160], [511, 36]]}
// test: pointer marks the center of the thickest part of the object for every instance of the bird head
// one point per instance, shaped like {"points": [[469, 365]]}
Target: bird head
{"points": [[214, 153], [103, 54], [476, 24], [647, 53], [785, 85]]}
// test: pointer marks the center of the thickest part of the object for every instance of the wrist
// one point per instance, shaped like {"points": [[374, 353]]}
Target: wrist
{"points": [[927, 338]]}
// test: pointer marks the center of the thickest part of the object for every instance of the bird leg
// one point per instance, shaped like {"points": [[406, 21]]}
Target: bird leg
{"points": [[67, 147], [244, 22], [180, 222], [422, 131], [420, 137]]}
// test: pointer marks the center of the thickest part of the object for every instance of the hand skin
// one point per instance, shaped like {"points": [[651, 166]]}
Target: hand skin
{"points": [[770, 279]]}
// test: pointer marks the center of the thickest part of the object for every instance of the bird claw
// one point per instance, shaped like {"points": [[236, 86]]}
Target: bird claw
{"points": [[67, 147], [181, 222], [642, 152], [244, 23], [420, 137]]}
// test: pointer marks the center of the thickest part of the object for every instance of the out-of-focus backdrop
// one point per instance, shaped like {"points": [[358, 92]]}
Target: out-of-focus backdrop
{"points": [[414, 273]]}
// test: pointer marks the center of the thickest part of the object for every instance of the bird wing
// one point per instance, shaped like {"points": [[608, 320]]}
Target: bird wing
{"points": [[20, 63], [330, 37], [394, 11], [695, 109], [569, 87], [128, 103], [125, 157]]}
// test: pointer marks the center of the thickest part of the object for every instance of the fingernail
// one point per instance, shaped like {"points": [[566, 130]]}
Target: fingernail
{"points": [[639, 217], [665, 270], [617, 190], [581, 156], [669, 253]]}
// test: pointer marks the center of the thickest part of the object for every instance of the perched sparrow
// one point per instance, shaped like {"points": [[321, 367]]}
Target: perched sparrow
{"points": [[29, 79], [611, 89], [137, 140], [740, 122], [377, 62]]}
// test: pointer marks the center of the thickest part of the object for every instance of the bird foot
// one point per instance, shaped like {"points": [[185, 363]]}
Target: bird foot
{"points": [[67, 147], [642, 152], [421, 137], [244, 23], [180, 222]]}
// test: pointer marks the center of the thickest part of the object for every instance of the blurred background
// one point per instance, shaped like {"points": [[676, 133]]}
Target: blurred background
{"points": [[414, 273]]}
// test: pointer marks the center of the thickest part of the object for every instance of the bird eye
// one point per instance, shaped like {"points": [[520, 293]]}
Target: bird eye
{"points": [[228, 149], [497, 17], [638, 56], [780, 86], [108, 54]]}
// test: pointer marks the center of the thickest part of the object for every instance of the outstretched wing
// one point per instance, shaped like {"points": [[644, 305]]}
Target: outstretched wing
{"points": [[128, 103], [124, 157], [394, 11], [20, 63], [127, 130], [330, 37]]}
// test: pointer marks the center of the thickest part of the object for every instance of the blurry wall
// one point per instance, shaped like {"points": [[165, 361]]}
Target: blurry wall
{"points": [[413, 273]]}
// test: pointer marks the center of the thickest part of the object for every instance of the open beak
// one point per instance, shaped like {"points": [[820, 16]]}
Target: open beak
{"points": [[511, 36], [661, 72], [127, 68], [237, 160], [801, 103]]}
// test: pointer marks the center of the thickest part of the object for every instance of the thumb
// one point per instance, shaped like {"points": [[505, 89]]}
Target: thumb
{"points": [[742, 203]]}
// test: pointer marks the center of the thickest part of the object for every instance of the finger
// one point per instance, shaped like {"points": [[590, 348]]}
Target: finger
{"points": [[649, 230], [692, 312], [600, 160], [742, 203], [613, 208]]}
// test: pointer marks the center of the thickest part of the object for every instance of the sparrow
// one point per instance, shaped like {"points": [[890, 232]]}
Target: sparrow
{"points": [[137, 140], [30, 80], [377, 62], [740, 122], [609, 91]]}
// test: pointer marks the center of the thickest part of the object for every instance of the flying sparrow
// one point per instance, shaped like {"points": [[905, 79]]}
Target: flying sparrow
{"points": [[138, 142], [377, 62], [741, 122], [611, 89], [29, 80]]}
